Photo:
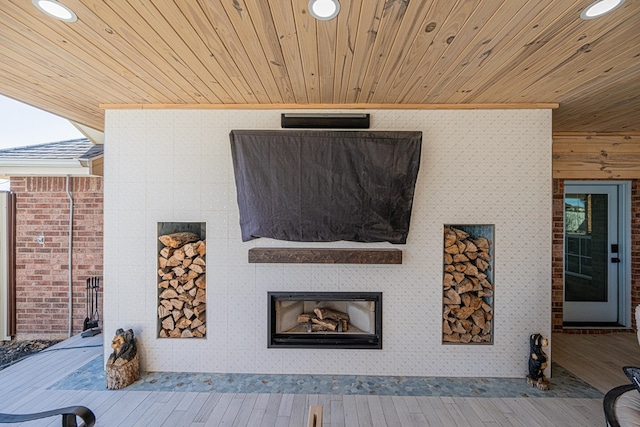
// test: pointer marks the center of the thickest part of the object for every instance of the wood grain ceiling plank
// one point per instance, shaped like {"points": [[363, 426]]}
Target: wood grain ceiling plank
{"points": [[116, 41], [392, 32], [600, 58], [125, 21], [149, 31], [85, 51], [560, 45], [305, 25], [526, 34], [430, 50], [252, 66], [408, 56], [461, 28], [255, 19], [606, 109], [68, 78], [83, 41], [37, 68], [326, 46], [603, 58], [247, 82], [51, 49], [367, 31], [481, 34], [473, 35], [408, 33], [348, 19], [33, 94], [284, 22], [176, 30], [596, 74]]}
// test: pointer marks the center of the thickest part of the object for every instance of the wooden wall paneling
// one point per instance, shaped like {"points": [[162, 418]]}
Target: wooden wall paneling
{"points": [[229, 54], [281, 14], [596, 157]]}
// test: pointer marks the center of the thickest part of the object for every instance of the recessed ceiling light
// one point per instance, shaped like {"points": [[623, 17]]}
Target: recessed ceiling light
{"points": [[600, 7], [56, 10], [324, 9]]}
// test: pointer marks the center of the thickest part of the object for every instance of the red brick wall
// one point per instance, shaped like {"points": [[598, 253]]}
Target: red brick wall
{"points": [[557, 257], [42, 270]]}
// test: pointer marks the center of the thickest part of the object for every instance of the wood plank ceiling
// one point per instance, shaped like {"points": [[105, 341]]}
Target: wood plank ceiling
{"points": [[374, 52]]}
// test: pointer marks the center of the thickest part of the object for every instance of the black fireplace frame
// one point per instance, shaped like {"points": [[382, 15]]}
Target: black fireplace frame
{"points": [[324, 340]]}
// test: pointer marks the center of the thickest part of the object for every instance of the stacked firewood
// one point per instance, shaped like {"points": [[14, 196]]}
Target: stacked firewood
{"points": [[182, 286], [468, 293], [324, 319]]}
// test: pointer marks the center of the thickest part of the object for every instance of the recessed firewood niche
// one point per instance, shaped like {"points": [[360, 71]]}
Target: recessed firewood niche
{"points": [[182, 284], [468, 284]]}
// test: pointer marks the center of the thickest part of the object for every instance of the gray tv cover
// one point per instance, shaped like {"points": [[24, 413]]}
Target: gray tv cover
{"points": [[322, 186]]}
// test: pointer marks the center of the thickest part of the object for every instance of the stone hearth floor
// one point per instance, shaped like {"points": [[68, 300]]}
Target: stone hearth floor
{"points": [[563, 384]]}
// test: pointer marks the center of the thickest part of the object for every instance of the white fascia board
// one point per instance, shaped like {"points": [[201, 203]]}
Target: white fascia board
{"points": [[42, 167]]}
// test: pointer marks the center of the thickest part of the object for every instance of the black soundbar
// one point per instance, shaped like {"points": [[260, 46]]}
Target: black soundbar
{"points": [[325, 121]]}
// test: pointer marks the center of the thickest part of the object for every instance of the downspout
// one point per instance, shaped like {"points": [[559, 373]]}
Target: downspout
{"points": [[70, 258]]}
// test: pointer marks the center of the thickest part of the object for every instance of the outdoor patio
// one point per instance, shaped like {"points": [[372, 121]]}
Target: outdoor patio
{"points": [[71, 373]]}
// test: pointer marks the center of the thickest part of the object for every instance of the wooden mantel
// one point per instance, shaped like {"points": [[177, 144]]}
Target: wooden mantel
{"points": [[325, 256]]}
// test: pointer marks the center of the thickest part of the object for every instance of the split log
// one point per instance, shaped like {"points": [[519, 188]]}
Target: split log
{"points": [[175, 240], [326, 313], [330, 324]]}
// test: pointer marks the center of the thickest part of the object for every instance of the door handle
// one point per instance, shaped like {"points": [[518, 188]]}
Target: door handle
{"points": [[615, 260]]}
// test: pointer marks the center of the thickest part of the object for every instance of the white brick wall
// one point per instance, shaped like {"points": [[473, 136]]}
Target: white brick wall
{"points": [[478, 166]]}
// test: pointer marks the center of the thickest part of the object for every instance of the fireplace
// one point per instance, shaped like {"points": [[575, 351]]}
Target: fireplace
{"points": [[349, 320]]}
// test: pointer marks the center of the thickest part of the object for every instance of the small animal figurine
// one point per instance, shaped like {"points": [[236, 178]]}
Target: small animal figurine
{"points": [[537, 362], [124, 347]]}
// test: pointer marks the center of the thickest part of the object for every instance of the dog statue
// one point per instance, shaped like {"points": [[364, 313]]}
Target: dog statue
{"points": [[124, 347], [537, 362]]}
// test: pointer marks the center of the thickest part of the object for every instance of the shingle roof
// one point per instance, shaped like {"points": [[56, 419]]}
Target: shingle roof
{"points": [[72, 149]]}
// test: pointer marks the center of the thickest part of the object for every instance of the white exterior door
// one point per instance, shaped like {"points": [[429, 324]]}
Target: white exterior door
{"points": [[593, 258]]}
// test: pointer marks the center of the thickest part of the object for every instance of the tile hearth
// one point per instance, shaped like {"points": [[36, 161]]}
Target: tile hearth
{"points": [[563, 384]]}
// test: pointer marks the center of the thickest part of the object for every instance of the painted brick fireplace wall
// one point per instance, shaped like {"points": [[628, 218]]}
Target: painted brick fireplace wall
{"points": [[477, 167]]}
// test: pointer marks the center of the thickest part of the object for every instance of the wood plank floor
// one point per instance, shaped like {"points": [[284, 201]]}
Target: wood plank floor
{"points": [[596, 359]]}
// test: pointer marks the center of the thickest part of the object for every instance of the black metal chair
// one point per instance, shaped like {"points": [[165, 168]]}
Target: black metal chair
{"points": [[69, 415], [609, 403]]}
